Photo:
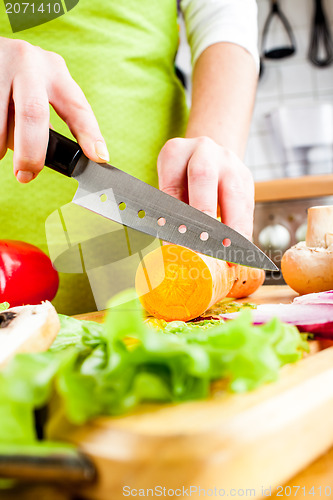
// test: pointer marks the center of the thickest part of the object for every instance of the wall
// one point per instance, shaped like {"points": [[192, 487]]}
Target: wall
{"points": [[290, 82]]}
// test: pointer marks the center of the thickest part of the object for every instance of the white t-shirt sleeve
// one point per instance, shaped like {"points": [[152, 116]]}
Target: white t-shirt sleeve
{"points": [[212, 21]]}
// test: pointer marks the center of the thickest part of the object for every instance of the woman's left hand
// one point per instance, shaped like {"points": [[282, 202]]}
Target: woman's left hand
{"points": [[209, 177]]}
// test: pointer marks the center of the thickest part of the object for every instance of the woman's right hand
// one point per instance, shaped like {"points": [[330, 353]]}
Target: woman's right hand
{"points": [[32, 78]]}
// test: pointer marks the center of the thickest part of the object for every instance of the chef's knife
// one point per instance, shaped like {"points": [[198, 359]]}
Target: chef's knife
{"points": [[122, 198]]}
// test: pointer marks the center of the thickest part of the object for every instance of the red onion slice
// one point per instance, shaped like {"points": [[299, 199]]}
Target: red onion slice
{"points": [[313, 318], [315, 298]]}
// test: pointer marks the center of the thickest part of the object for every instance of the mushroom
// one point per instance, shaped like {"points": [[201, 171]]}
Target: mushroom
{"points": [[308, 266], [27, 329]]}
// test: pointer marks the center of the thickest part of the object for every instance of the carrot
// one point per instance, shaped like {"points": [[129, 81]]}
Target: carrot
{"points": [[247, 281], [175, 283]]}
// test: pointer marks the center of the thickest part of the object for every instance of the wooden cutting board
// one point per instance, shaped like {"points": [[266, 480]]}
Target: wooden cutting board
{"points": [[229, 445]]}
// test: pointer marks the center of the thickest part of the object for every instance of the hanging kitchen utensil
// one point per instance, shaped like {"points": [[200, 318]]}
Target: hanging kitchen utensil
{"points": [[278, 52], [321, 44]]}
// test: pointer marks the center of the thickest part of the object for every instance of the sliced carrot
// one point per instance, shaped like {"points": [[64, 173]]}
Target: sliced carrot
{"points": [[175, 283], [248, 280]]}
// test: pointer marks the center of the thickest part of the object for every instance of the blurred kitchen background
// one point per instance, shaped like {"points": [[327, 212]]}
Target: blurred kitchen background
{"points": [[290, 146], [292, 127]]}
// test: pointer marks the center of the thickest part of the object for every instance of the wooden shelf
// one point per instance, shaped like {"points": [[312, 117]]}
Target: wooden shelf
{"points": [[309, 186]]}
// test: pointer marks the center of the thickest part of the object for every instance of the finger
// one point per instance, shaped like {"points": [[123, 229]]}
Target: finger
{"points": [[237, 206], [5, 93], [172, 165], [203, 178], [236, 196], [10, 126], [31, 128], [70, 103], [4, 110]]}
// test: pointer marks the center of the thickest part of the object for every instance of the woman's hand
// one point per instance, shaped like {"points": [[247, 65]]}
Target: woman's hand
{"points": [[31, 79], [209, 177]]}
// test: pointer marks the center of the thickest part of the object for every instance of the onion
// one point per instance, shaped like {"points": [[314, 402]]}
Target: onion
{"points": [[312, 313], [315, 298]]}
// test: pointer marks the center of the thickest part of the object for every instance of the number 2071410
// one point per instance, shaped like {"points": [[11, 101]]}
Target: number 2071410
{"points": [[292, 491], [32, 8]]}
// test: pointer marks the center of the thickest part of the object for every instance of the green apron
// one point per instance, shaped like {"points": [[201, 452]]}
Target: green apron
{"points": [[121, 53]]}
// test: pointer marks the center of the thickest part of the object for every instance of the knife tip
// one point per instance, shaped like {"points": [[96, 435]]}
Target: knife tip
{"points": [[269, 265]]}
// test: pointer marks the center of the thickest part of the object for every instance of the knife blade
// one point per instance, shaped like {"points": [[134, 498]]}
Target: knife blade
{"points": [[118, 196]]}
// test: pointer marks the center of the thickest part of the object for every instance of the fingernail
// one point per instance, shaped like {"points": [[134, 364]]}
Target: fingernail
{"points": [[102, 151], [24, 176]]}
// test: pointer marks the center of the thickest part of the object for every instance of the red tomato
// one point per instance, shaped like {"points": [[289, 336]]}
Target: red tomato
{"points": [[26, 274]]}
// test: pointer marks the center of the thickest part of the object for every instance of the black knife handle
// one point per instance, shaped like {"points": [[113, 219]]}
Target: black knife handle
{"points": [[62, 153]]}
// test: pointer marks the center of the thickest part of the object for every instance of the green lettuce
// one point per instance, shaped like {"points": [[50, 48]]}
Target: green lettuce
{"points": [[4, 306], [108, 369]]}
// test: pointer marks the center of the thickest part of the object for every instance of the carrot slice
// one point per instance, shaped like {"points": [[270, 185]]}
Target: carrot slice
{"points": [[248, 280], [175, 283]]}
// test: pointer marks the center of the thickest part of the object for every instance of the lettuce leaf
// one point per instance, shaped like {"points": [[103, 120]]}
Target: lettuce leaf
{"points": [[108, 369], [4, 306]]}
